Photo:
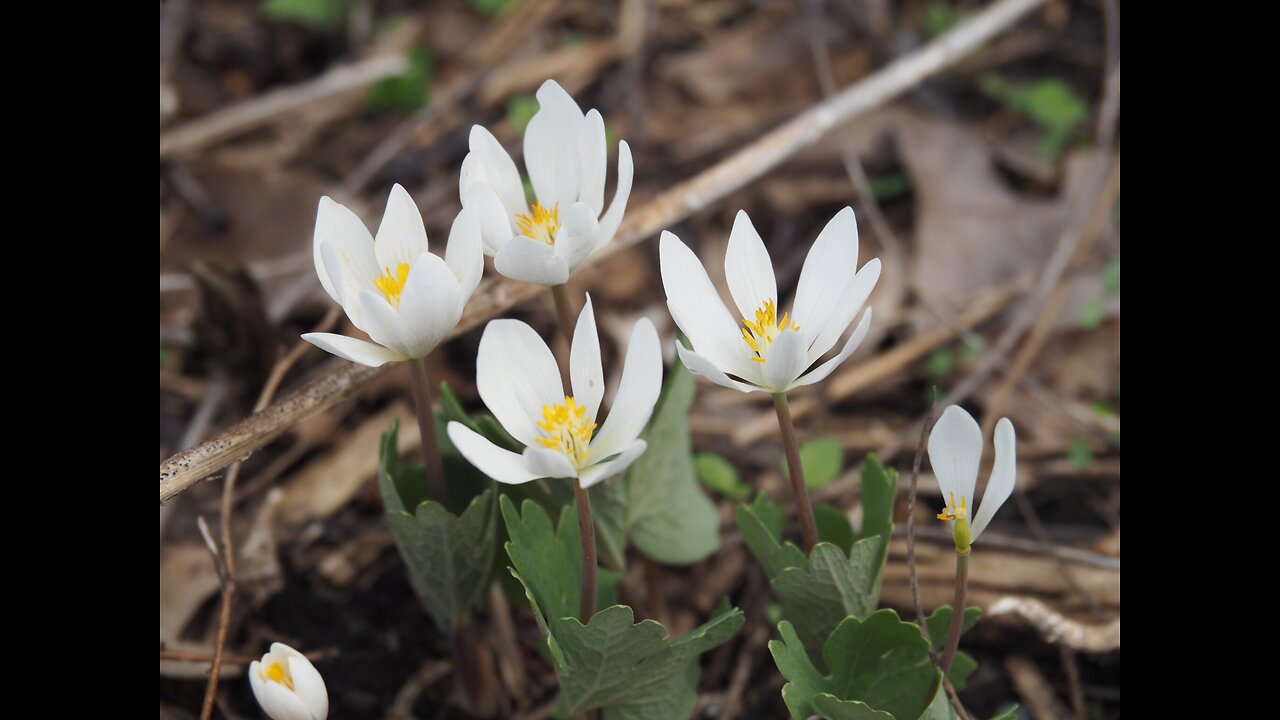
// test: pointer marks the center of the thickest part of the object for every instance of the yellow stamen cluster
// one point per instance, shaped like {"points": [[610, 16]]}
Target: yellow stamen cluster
{"points": [[568, 429], [953, 511], [759, 335], [392, 284], [276, 672], [540, 223]]}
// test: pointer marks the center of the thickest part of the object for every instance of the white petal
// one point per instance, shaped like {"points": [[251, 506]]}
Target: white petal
{"points": [[577, 236], [637, 392], [955, 450], [622, 461], [613, 217], [586, 372], [699, 312], [501, 465], [494, 167], [336, 223], [788, 357], [382, 322], [699, 365], [401, 237], [353, 249], [548, 463], [844, 310], [747, 268], [551, 147], [464, 254], [516, 376], [357, 351], [821, 372], [532, 261], [1003, 474], [828, 269], [430, 305], [344, 290], [592, 154], [493, 218], [309, 686]]}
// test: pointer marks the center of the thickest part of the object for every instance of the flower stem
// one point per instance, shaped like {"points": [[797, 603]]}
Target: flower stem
{"points": [[587, 526], [804, 506], [957, 612], [564, 312], [431, 457]]}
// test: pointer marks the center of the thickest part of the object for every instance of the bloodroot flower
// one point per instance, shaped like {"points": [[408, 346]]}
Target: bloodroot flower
{"points": [[768, 350], [407, 299], [955, 451], [565, 153], [288, 686], [518, 380]]}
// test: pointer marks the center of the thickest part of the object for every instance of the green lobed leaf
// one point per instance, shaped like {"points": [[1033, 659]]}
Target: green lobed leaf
{"points": [[939, 623], [817, 592], [834, 526], [941, 709], [663, 509], [407, 91], [635, 671], [881, 663], [720, 475], [449, 557]]}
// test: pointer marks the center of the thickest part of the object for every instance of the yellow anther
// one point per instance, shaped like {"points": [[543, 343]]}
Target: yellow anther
{"points": [[766, 328], [276, 672], [392, 284], [568, 429], [540, 223]]}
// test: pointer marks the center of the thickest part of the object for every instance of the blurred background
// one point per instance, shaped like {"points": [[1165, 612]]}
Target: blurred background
{"points": [[990, 191]]}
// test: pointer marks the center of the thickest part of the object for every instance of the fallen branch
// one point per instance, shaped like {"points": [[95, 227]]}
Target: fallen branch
{"points": [[238, 442], [1059, 629]]}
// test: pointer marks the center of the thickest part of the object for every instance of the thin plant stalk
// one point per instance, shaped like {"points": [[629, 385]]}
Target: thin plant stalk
{"points": [[804, 506], [564, 313], [587, 526], [957, 612], [431, 458]]}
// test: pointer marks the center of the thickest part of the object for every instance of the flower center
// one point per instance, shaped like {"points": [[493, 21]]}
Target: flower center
{"points": [[392, 284], [568, 429], [759, 335], [540, 223], [953, 511], [276, 672]]}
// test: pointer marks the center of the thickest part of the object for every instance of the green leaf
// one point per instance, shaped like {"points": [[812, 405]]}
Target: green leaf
{"points": [[493, 7], [520, 110], [1111, 277], [407, 91], [940, 16], [449, 557], [890, 187], [719, 474], [817, 592], [761, 524], [939, 623], [548, 560], [634, 671], [821, 459], [940, 362], [1092, 312], [1080, 450], [880, 668], [834, 526], [833, 708], [664, 511], [315, 14]]}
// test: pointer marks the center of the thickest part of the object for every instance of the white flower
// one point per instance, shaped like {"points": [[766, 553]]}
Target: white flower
{"points": [[763, 352], [565, 154], [288, 686], [518, 380], [405, 298], [955, 451]]}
